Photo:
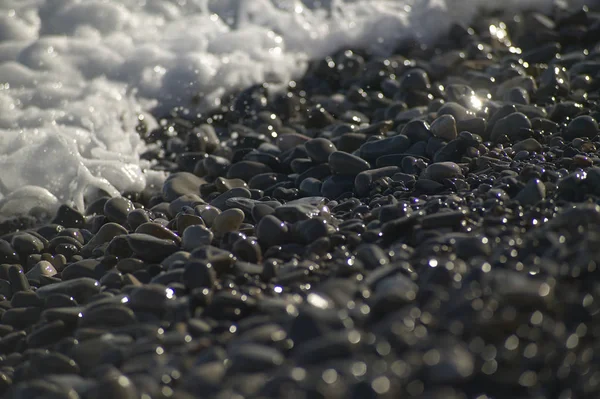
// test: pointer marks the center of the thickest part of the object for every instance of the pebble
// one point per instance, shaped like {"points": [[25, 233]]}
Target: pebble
{"points": [[195, 236], [583, 126], [229, 220], [345, 164], [149, 248], [271, 231], [181, 183], [319, 149], [116, 209], [444, 127], [442, 170]]}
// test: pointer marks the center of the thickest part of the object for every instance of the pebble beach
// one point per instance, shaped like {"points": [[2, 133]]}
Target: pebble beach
{"points": [[420, 224]]}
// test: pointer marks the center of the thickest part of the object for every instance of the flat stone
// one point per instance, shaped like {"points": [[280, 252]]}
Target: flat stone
{"points": [[246, 170], [181, 183], [186, 200], [149, 248], [342, 163], [219, 202], [442, 170], [372, 150], [530, 144], [81, 289]]}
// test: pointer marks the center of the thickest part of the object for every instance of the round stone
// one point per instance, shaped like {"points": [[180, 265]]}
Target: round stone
{"points": [[444, 127], [195, 236], [229, 220], [319, 149], [442, 170], [116, 209]]}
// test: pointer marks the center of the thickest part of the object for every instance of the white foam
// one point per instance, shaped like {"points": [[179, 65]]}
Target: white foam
{"points": [[75, 74]]}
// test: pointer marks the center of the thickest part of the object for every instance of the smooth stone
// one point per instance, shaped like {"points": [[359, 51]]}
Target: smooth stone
{"points": [[292, 213], [254, 358], [81, 289], [335, 186], [583, 126], [175, 260], [307, 231], [215, 166], [195, 236], [246, 170], [530, 144], [372, 255], [271, 231], [290, 140], [84, 268], [372, 150], [343, 163], [158, 231], [151, 297], [439, 220], [349, 142], [417, 130], [136, 218], [245, 204], [444, 127], [181, 183], [207, 213], [110, 316], [149, 248], [414, 79], [533, 192], [441, 170], [186, 200], [67, 216], [229, 220], [260, 210], [198, 274], [41, 268], [26, 299], [26, 244], [319, 149], [224, 184], [116, 209], [510, 125], [364, 180], [222, 260], [310, 186], [247, 249], [265, 180], [183, 221], [17, 279], [7, 253], [459, 112], [219, 202]]}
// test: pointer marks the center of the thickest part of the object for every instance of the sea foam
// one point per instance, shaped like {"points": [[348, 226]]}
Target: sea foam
{"points": [[76, 75]]}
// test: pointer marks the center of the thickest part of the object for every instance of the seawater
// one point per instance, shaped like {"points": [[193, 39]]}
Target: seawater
{"points": [[76, 75]]}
